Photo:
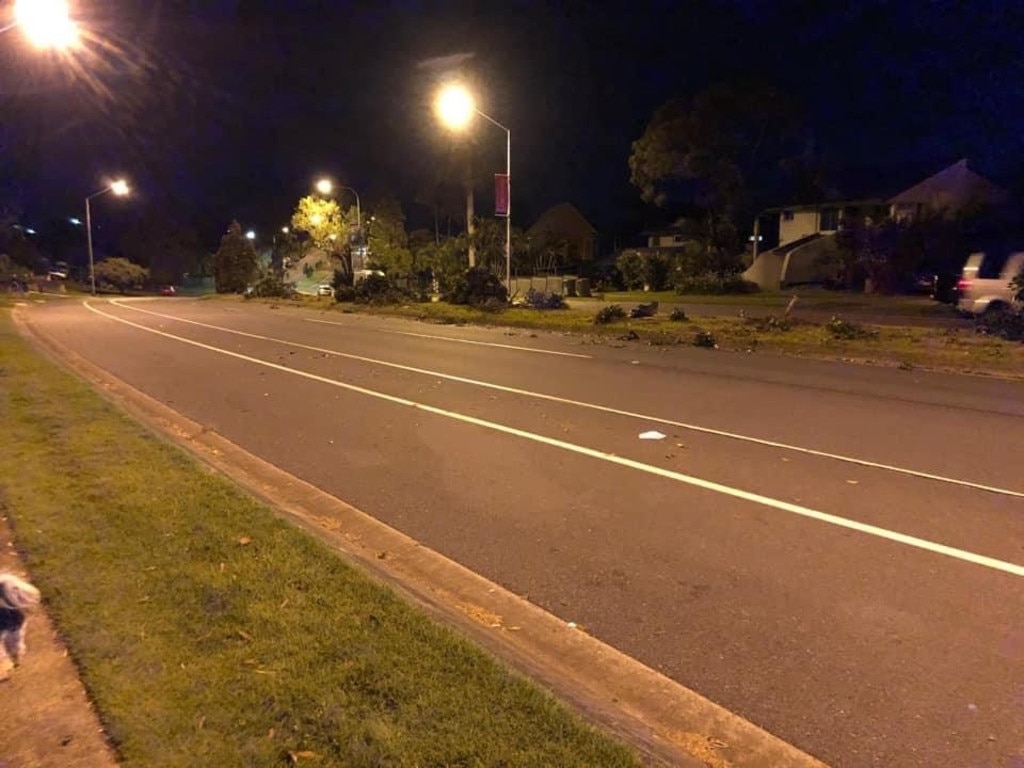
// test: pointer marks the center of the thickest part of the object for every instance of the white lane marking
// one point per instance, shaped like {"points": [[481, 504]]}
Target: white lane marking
{"points": [[459, 341], [756, 498], [603, 408]]}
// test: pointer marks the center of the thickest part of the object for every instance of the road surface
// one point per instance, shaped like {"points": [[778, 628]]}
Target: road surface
{"points": [[833, 552]]}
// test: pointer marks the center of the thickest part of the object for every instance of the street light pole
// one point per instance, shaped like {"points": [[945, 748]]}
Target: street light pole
{"points": [[88, 231], [508, 206], [455, 106], [119, 188]]}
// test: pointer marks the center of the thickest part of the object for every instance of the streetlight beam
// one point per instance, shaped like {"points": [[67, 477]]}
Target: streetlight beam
{"points": [[46, 23]]}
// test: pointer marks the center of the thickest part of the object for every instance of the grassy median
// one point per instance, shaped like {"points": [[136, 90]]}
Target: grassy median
{"points": [[960, 350], [210, 632]]}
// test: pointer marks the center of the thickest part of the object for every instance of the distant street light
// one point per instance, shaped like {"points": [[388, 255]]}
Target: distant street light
{"points": [[46, 23], [120, 189], [76, 221], [284, 230], [325, 187], [250, 235], [455, 107]]}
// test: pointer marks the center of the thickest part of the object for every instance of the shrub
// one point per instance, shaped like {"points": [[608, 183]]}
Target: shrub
{"points": [[609, 314], [344, 293], [705, 339], [380, 289], [271, 285], [771, 323], [543, 300], [843, 329], [1008, 324], [477, 285], [678, 315], [712, 284]]}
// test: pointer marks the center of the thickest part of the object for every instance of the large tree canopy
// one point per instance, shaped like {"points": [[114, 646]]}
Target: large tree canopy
{"points": [[730, 149]]}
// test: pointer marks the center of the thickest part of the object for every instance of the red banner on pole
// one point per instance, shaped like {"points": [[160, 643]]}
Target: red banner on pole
{"points": [[501, 194]]}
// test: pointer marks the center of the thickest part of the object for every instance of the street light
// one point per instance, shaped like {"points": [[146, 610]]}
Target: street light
{"points": [[455, 107], [325, 187], [46, 23], [120, 189], [250, 235]]}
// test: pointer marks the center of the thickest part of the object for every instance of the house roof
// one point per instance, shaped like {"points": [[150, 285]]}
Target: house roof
{"points": [[564, 218], [952, 187]]}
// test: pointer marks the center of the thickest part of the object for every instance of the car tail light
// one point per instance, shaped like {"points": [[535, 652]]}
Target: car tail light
{"points": [[963, 285]]}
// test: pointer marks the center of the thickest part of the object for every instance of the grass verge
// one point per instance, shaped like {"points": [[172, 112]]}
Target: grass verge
{"points": [[958, 350], [210, 632]]}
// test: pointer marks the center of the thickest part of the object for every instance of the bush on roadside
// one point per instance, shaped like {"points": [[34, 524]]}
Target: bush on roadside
{"points": [[771, 324], [535, 299], [705, 339], [380, 290], [1008, 324], [609, 314], [477, 286], [843, 329], [344, 293], [712, 284], [271, 285]]}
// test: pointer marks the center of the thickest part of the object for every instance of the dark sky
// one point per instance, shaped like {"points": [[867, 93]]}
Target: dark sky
{"points": [[221, 109]]}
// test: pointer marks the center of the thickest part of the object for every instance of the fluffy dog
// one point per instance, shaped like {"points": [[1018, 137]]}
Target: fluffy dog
{"points": [[16, 597]]}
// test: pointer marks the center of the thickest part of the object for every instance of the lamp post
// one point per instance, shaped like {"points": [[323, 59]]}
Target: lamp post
{"points": [[326, 187], [456, 107], [119, 188]]}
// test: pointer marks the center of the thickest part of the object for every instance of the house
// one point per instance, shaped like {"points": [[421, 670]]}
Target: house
{"points": [[564, 222], [807, 232]]}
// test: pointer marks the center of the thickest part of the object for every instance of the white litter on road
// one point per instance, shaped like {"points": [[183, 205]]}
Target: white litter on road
{"points": [[652, 435]]}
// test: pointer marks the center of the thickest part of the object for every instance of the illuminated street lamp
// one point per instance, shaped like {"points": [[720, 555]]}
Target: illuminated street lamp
{"points": [[46, 23], [455, 108], [325, 187], [251, 235], [120, 189]]}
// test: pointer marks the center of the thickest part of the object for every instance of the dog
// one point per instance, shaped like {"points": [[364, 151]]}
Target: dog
{"points": [[17, 596]]}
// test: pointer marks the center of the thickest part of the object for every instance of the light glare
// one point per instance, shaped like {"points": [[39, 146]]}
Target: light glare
{"points": [[46, 23], [120, 188], [455, 106], [324, 186], [251, 235]]}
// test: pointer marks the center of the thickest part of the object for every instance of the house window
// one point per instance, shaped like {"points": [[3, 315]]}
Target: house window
{"points": [[787, 215], [829, 221]]}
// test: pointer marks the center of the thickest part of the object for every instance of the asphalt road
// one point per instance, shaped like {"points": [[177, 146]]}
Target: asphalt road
{"points": [[835, 553]]}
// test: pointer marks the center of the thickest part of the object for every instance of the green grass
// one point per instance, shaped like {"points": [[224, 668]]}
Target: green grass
{"points": [[960, 350], [818, 299], [210, 632]]}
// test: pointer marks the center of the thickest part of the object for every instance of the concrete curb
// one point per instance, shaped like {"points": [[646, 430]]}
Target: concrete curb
{"points": [[665, 722]]}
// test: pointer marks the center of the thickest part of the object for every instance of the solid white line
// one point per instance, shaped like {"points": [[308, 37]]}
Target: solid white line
{"points": [[872, 530], [601, 408], [459, 341]]}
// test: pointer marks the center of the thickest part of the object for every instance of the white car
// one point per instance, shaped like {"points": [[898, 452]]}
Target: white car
{"points": [[324, 290], [986, 282]]}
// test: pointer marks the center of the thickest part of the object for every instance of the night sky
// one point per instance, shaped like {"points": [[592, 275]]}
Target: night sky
{"points": [[219, 110]]}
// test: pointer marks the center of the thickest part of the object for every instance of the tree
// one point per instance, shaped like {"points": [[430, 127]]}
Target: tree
{"points": [[387, 239], [120, 273], [168, 248], [234, 262], [322, 220], [729, 149]]}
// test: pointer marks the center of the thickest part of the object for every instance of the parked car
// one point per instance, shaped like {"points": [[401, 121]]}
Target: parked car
{"points": [[324, 290], [986, 281], [167, 290]]}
